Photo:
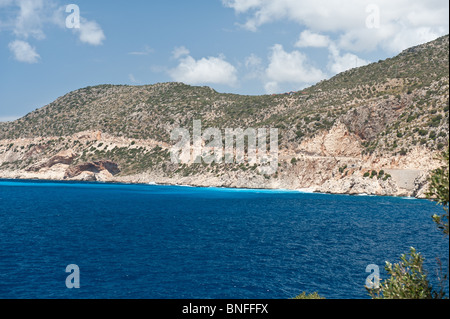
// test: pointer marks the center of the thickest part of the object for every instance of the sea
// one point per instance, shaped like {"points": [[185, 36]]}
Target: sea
{"points": [[81, 240]]}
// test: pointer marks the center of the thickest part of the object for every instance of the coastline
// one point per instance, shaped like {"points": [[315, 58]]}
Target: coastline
{"points": [[118, 182], [315, 167]]}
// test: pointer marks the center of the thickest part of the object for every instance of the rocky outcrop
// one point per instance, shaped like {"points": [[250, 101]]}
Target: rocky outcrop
{"points": [[64, 157], [420, 185], [356, 185], [91, 170], [337, 142], [367, 121]]}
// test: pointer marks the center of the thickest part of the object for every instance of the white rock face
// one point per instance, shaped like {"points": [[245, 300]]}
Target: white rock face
{"points": [[337, 142]]}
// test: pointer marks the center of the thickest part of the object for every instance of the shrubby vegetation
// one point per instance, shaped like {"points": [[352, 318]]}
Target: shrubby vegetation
{"points": [[313, 295], [405, 104], [439, 192], [408, 280]]}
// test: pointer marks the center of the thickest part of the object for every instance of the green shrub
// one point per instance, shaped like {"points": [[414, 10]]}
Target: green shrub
{"points": [[407, 280], [435, 121], [432, 135], [304, 295], [299, 134], [439, 192], [410, 118]]}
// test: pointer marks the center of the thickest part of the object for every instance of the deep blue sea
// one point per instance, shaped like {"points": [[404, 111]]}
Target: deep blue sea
{"points": [[171, 242]]}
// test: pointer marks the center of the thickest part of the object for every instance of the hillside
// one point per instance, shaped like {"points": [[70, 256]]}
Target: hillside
{"points": [[390, 116]]}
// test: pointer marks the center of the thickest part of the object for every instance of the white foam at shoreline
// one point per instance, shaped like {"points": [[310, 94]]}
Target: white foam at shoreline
{"points": [[306, 190]]}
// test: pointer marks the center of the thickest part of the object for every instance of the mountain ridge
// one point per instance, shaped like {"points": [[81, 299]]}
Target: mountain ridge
{"points": [[386, 115]]}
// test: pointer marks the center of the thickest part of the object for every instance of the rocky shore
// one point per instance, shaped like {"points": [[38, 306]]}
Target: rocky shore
{"points": [[328, 163]]}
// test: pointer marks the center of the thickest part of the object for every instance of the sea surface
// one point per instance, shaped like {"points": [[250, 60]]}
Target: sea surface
{"points": [[173, 242]]}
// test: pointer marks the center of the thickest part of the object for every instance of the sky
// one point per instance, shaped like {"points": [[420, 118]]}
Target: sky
{"points": [[50, 47]]}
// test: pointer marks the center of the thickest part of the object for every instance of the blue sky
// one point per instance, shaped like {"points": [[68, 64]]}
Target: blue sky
{"points": [[237, 46]]}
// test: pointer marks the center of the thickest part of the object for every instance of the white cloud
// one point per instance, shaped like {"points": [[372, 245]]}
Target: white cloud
{"points": [[290, 67], [310, 39], [254, 67], [90, 32], [252, 61], [319, 15], [210, 70], [133, 79], [23, 52], [339, 63], [146, 51], [272, 87], [403, 23], [342, 28], [30, 20], [179, 52], [242, 5]]}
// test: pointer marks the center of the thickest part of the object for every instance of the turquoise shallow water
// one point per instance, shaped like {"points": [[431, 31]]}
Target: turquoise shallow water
{"points": [[149, 241]]}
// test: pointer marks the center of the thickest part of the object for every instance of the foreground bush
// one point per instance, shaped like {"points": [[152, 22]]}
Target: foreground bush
{"points": [[408, 280], [314, 295]]}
